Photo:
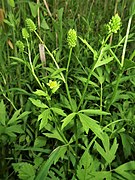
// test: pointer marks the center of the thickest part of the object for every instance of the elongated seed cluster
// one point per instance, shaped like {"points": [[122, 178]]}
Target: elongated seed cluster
{"points": [[72, 38], [30, 25], [115, 24], [25, 33], [20, 46]]}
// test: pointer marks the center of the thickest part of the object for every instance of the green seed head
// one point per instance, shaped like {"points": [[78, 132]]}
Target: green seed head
{"points": [[72, 38], [20, 45], [25, 33], [30, 24], [114, 25]]}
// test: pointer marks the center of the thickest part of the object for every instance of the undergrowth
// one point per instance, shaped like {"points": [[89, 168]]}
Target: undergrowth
{"points": [[67, 83]]}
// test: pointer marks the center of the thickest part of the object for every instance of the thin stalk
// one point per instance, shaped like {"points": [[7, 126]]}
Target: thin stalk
{"points": [[31, 65], [50, 55], [89, 76], [115, 91], [69, 59], [85, 88], [66, 83], [126, 39], [101, 101], [122, 64]]}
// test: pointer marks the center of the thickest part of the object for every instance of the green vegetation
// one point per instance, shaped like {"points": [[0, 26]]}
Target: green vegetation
{"points": [[67, 90]]}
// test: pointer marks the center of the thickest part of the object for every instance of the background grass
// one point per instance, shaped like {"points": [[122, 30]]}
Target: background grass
{"points": [[47, 135]]}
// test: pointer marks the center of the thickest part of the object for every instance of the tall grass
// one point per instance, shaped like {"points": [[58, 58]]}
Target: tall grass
{"points": [[68, 114]]}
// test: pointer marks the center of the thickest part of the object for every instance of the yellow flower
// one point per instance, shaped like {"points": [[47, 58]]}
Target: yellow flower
{"points": [[52, 84]]}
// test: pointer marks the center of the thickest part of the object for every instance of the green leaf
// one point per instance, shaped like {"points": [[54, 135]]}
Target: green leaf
{"points": [[55, 155], [23, 115], [89, 123], [58, 111], [84, 80], [14, 117], [89, 46], [44, 116], [127, 141], [67, 120], [107, 153], [94, 111], [60, 154], [126, 170], [128, 64], [26, 172], [2, 113], [44, 25], [14, 129], [40, 142], [103, 62], [38, 103], [33, 8], [40, 93], [57, 71], [86, 166], [55, 134], [129, 166], [11, 3], [103, 175]]}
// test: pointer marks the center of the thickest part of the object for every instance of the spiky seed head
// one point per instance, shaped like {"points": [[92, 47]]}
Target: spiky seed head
{"points": [[25, 33], [72, 38], [30, 25], [115, 24], [20, 45]]}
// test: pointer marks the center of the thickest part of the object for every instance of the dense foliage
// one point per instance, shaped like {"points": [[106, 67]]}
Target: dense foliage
{"points": [[67, 89]]}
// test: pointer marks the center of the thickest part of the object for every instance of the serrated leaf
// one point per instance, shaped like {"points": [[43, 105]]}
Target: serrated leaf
{"points": [[67, 120], [89, 123], [101, 175], [38, 103], [86, 166], [26, 171], [15, 129], [44, 117], [56, 135], [108, 153], [58, 111], [60, 154], [113, 149], [44, 170], [126, 170], [102, 152], [14, 117], [129, 166]]}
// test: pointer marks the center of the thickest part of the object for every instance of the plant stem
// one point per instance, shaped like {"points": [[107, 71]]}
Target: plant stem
{"points": [[50, 55], [31, 65], [101, 101], [126, 39], [122, 64], [115, 90]]}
